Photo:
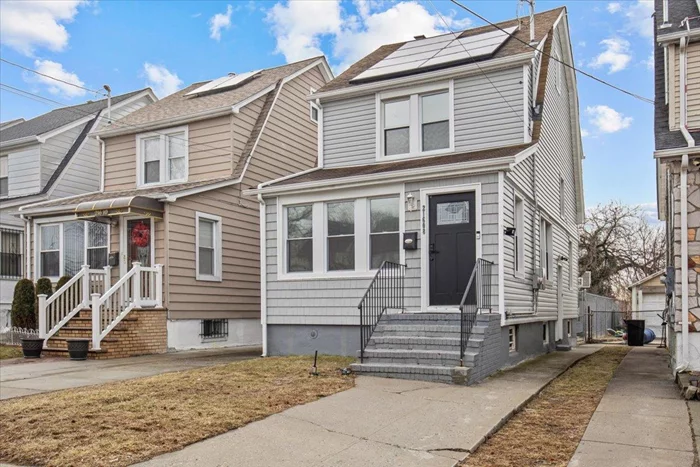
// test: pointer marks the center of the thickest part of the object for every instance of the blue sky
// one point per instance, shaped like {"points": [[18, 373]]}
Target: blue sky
{"points": [[167, 45]]}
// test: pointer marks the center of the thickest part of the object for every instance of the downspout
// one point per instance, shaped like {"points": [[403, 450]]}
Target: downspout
{"points": [[684, 204], [263, 273], [27, 245], [102, 163]]}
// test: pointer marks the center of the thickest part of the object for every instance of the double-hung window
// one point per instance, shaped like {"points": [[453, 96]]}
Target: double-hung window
{"points": [[384, 239], [50, 250], [97, 245], [163, 157], [4, 175], [209, 244], [415, 123], [65, 247], [546, 260], [341, 235], [519, 240], [300, 243]]}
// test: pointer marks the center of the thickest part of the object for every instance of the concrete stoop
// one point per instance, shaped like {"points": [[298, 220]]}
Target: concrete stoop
{"points": [[423, 346]]}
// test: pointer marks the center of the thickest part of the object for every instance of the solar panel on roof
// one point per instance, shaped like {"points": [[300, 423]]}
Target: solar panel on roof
{"points": [[224, 82], [423, 54]]}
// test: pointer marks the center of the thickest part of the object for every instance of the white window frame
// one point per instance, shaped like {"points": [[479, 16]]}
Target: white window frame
{"points": [[413, 94], [326, 236], [546, 261], [162, 135], [218, 252], [512, 339], [361, 197], [60, 221], [5, 175], [519, 240], [312, 107]]}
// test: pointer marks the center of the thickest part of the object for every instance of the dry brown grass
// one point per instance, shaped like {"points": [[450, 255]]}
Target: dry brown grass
{"points": [[9, 351], [548, 430], [125, 422]]}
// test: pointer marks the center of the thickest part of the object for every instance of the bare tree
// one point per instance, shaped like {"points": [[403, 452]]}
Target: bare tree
{"points": [[619, 246]]}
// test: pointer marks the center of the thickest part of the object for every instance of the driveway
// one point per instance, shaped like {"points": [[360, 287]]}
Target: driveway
{"points": [[27, 377], [381, 422], [641, 419]]}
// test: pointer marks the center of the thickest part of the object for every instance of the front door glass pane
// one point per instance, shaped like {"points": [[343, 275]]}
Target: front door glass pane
{"points": [[139, 241]]}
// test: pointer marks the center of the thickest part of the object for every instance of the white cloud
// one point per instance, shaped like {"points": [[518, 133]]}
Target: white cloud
{"points": [[299, 27], [614, 7], [56, 70], [220, 21], [28, 25], [163, 81], [606, 119], [196, 15], [649, 62], [616, 55], [584, 133], [582, 43]]}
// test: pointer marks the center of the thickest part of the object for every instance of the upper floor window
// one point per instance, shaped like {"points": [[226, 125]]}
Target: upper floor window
{"points": [[162, 157], [313, 112], [416, 122], [4, 176]]}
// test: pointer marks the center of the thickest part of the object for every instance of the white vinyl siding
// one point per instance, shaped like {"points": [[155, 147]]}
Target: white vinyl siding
{"points": [[3, 176], [519, 243]]}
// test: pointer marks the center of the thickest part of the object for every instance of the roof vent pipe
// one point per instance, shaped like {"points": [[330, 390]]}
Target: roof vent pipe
{"points": [[109, 103], [665, 12], [422, 36], [532, 20]]}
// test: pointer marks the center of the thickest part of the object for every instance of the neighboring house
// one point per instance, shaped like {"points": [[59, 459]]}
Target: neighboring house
{"points": [[649, 301], [49, 157], [677, 153], [183, 244], [447, 161]]}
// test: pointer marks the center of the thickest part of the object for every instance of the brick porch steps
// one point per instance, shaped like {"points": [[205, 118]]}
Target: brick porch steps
{"points": [[442, 374]]}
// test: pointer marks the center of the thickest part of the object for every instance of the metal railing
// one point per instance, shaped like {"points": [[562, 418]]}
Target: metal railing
{"points": [[386, 291], [477, 297], [11, 257]]}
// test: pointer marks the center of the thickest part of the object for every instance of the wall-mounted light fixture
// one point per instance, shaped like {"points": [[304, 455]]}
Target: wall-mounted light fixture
{"points": [[411, 204], [509, 231]]}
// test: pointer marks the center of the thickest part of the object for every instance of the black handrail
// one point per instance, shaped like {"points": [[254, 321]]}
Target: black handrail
{"points": [[474, 300], [385, 291]]}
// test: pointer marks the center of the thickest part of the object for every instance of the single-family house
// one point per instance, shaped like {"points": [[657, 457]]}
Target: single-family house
{"points": [[182, 243], [439, 230], [49, 157], [676, 130]]}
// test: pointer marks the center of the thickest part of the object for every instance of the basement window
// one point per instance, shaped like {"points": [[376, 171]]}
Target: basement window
{"points": [[512, 344], [214, 329], [545, 333], [568, 328]]}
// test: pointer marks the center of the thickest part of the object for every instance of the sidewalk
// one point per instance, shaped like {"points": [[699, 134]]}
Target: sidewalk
{"points": [[27, 377], [381, 422], [641, 420]]}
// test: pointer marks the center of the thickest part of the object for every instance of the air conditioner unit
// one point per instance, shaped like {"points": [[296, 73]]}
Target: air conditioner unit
{"points": [[584, 282]]}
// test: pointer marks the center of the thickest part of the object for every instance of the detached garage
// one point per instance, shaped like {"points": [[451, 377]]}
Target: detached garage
{"points": [[648, 301]]}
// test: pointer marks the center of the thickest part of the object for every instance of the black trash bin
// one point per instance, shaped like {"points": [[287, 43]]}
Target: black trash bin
{"points": [[635, 332]]}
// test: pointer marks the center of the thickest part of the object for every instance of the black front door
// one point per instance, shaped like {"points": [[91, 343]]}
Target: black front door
{"points": [[452, 246]]}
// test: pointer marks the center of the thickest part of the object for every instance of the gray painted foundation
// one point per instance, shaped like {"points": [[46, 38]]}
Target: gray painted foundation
{"points": [[292, 339]]}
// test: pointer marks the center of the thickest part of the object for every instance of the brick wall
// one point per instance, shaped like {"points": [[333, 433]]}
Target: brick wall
{"points": [[489, 359]]}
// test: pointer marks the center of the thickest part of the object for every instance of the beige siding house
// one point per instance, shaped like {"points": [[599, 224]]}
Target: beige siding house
{"points": [[183, 243]]}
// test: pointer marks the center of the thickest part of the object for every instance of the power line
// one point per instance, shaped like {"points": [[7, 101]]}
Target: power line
{"points": [[33, 96], [23, 94], [584, 73], [476, 63], [52, 77]]}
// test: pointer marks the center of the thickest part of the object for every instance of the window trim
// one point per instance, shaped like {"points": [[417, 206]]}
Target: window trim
{"points": [[326, 236], [415, 136], [361, 197], [7, 175], [512, 339], [161, 134], [312, 107], [218, 252], [519, 240]]}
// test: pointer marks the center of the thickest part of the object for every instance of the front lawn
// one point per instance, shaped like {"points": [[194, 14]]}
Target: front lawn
{"points": [[9, 351], [130, 421]]}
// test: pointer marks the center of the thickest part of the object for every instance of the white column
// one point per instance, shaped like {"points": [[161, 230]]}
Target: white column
{"points": [[108, 278], [96, 331], [159, 285], [136, 284], [86, 284], [42, 315]]}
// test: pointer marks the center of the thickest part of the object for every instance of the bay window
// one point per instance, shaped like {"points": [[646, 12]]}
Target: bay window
{"points": [[65, 247], [342, 237], [416, 122], [162, 157]]}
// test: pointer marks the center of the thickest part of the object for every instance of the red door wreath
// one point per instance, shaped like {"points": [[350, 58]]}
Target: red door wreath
{"points": [[140, 234]]}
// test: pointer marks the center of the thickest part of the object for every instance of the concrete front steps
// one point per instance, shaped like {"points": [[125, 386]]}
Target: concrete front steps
{"points": [[422, 346], [141, 332]]}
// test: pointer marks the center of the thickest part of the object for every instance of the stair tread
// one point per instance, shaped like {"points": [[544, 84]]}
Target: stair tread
{"points": [[58, 349], [380, 367], [59, 338], [415, 351]]}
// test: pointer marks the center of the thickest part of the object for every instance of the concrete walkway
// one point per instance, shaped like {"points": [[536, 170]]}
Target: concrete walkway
{"points": [[381, 422], [27, 377], [641, 420]]}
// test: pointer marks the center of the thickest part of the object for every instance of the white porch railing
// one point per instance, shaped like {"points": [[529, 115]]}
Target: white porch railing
{"points": [[56, 310], [140, 287]]}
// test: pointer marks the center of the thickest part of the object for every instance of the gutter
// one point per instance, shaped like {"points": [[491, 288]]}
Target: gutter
{"points": [[20, 142]]}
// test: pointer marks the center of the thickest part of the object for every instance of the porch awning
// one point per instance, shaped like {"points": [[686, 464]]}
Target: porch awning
{"points": [[105, 208]]}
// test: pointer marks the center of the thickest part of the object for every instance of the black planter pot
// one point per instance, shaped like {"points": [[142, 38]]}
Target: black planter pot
{"points": [[78, 348], [32, 346]]}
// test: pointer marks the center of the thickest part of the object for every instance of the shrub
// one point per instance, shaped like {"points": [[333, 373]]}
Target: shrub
{"points": [[44, 286], [62, 281], [23, 312]]}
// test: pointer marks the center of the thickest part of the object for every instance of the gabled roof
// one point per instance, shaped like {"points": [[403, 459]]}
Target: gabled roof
{"points": [[180, 105], [10, 123], [646, 279], [543, 24], [59, 117]]}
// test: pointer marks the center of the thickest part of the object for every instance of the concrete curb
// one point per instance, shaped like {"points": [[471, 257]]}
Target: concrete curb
{"points": [[520, 407]]}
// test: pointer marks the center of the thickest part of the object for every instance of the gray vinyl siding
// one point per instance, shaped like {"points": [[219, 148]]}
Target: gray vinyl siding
{"points": [[349, 132], [489, 110], [54, 150], [334, 301], [23, 169]]}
